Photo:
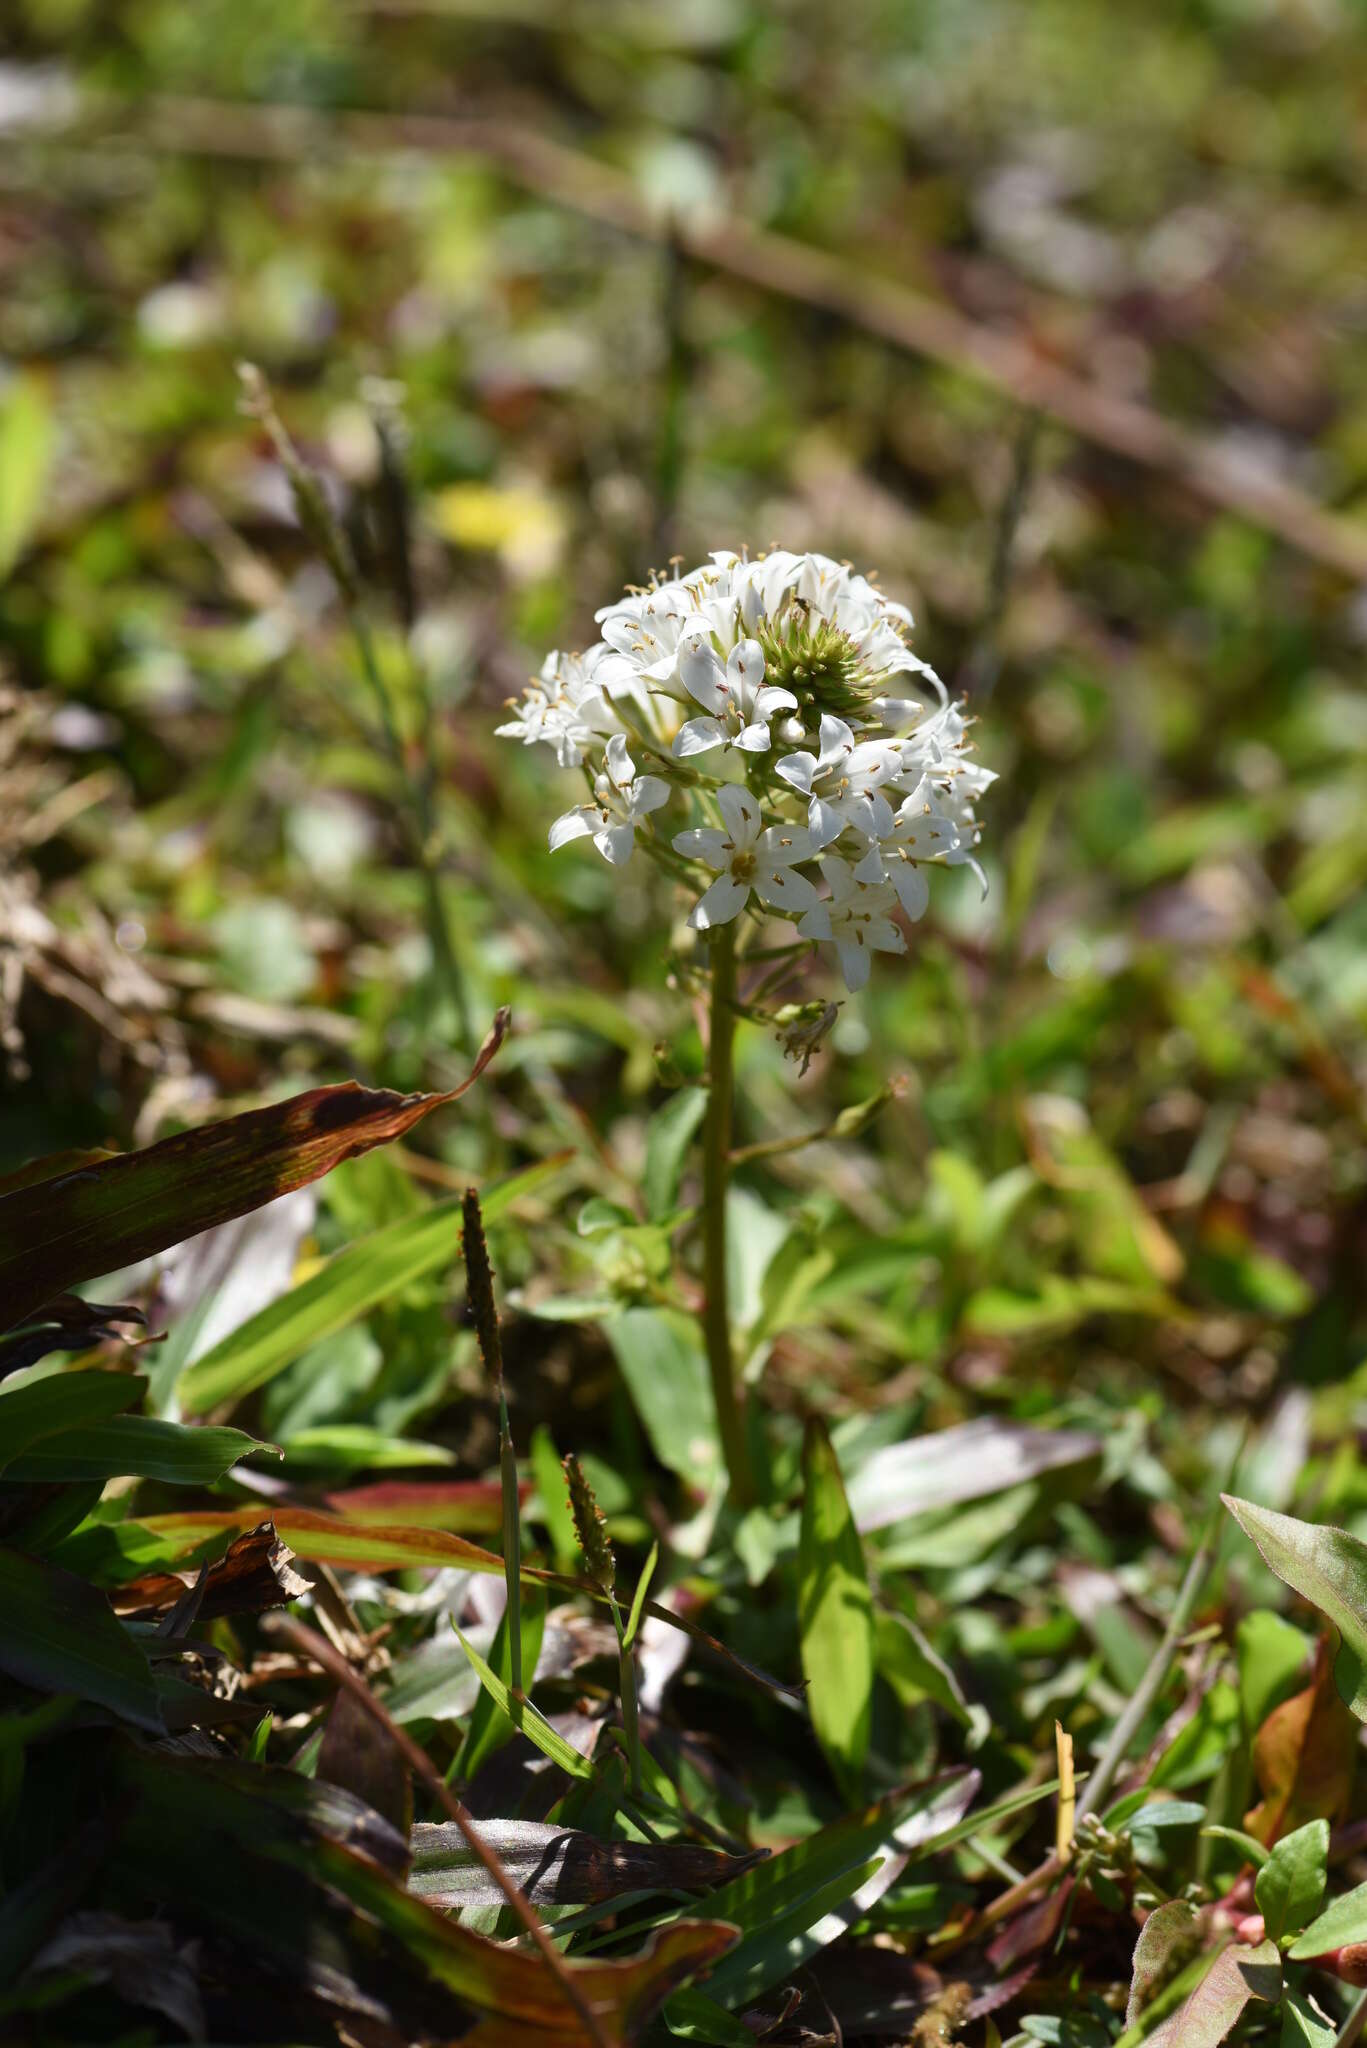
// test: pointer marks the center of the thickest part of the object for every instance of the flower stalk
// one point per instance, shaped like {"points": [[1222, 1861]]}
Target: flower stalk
{"points": [[479, 1284], [716, 1175]]}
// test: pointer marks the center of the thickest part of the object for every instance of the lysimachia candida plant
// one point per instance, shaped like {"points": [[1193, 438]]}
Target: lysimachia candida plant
{"points": [[761, 729]]}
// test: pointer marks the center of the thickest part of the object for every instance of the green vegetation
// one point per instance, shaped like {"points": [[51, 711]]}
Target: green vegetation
{"points": [[564, 1477]]}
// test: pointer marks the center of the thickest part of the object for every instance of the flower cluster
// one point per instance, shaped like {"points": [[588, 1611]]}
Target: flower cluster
{"points": [[780, 697]]}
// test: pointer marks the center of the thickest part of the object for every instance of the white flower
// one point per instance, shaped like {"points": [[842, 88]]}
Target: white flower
{"points": [[748, 858], [843, 782], [857, 918], [564, 707], [623, 799], [919, 833], [740, 700]]}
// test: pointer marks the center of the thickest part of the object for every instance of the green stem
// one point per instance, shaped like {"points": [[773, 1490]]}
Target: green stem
{"points": [[626, 1683], [716, 1172], [512, 1547]]}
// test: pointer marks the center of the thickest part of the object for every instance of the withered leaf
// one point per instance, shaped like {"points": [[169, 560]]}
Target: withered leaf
{"points": [[255, 1572], [557, 1866], [75, 1225]]}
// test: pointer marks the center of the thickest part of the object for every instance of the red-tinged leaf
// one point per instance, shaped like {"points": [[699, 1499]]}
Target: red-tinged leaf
{"points": [[1236, 1977], [329, 1539], [1304, 1757], [455, 1504], [57, 1232]]}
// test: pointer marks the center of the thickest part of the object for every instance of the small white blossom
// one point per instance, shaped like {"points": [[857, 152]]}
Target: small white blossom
{"points": [[741, 702], [749, 858], [857, 917], [920, 833], [842, 782], [622, 799], [564, 707]]}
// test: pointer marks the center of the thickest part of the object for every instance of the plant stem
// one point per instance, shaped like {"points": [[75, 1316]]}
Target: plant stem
{"points": [[716, 1172]]}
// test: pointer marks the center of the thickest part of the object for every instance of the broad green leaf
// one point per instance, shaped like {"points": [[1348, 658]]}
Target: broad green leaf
{"points": [[1274, 1658], [490, 1726], [806, 1897], [28, 437], [835, 1614], [1342, 1922], [1304, 2025], [527, 1719], [665, 1369], [1237, 1977], [1327, 1567], [668, 1137], [1291, 1883], [59, 1635], [354, 1445], [59, 1402], [1157, 1814], [57, 1232], [351, 1283], [135, 1446]]}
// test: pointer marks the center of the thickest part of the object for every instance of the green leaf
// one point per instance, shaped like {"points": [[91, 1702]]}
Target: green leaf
{"points": [[490, 1726], [668, 1137], [351, 1283], [1291, 1883], [1304, 2025], [1342, 1922], [665, 1370], [1158, 1814], [28, 437], [638, 1598], [59, 1635], [1327, 1567], [807, 1896], [61, 1401], [77, 1224], [135, 1446], [835, 1614], [527, 1719]]}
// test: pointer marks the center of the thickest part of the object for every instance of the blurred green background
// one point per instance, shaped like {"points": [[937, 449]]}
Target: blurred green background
{"points": [[1126, 1175]]}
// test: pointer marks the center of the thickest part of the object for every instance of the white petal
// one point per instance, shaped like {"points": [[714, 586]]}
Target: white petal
{"points": [[797, 770], [854, 963], [648, 792], [755, 739], [615, 843], [823, 822], [745, 667], [881, 815], [741, 812], [704, 842], [576, 824], [621, 767], [700, 672], [698, 736], [816, 923], [781, 886], [787, 843], [771, 698], [913, 890], [837, 873], [836, 737], [719, 904], [870, 868]]}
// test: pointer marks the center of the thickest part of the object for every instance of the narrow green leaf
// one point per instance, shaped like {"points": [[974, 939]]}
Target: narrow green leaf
{"points": [[1291, 1883], [1327, 1567], [490, 1726], [135, 1446], [351, 1283], [28, 438], [835, 1612], [59, 1635], [61, 1401], [526, 1719], [638, 1600], [807, 1896], [668, 1137], [1304, 2025]]}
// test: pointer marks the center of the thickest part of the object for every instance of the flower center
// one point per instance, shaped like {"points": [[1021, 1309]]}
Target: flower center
{"points": [[743, 865], [816, 661]]}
